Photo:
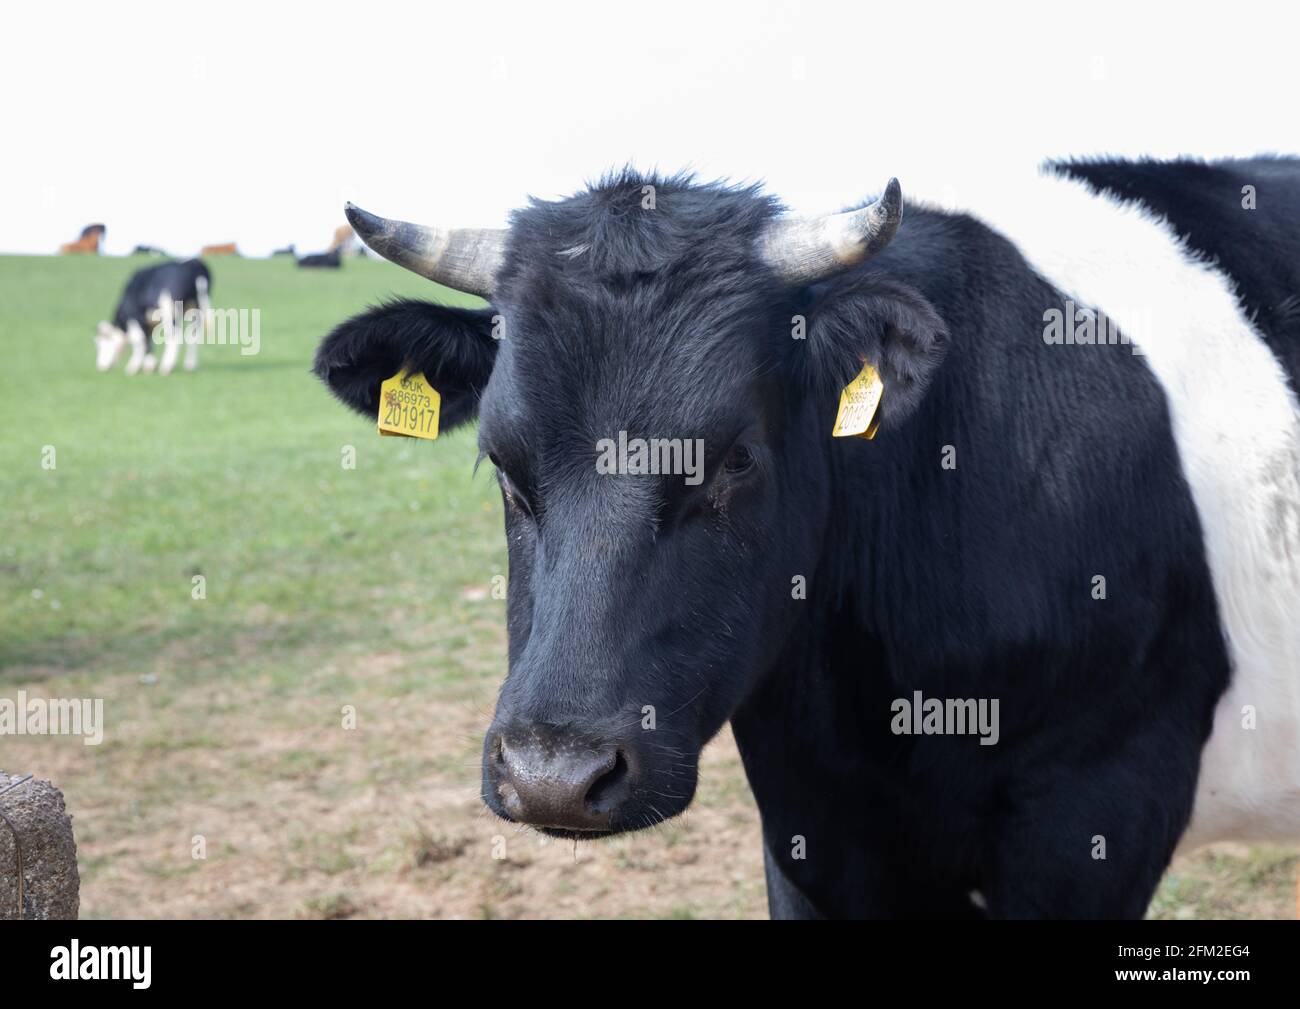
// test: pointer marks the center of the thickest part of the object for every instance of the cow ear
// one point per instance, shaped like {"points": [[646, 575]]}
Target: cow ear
{"points": [[857, 320], [453, 347]]}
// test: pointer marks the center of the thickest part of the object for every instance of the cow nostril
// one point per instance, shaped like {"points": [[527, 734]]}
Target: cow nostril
{"points": [[612, 787]]}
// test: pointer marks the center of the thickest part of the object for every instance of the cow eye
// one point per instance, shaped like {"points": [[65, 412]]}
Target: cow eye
{"points": [[512, 493], [739, 460]]}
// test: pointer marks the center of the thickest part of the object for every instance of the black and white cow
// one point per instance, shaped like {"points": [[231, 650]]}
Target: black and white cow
{"points": [[1001, 660], [155, 301]]}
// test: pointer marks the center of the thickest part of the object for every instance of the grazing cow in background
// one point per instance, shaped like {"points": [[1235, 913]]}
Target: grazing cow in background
{"points": [[225, 249], [329, 260], [288, 250], [155, 301], [1001, 659], [91, 237]]}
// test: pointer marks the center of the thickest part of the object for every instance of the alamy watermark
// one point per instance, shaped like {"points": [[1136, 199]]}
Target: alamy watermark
{"points": [[652, 457], [952, 716], [75, 962], [61, 716], [1078, 325], [212, 327]]}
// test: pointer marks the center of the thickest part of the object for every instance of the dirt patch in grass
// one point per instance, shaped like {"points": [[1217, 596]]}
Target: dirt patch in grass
{"points": [[222, 802], [247, 797]]}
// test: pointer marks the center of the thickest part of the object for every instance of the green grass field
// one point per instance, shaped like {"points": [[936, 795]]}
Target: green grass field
{"points": [[235, 473], [323, 587]]}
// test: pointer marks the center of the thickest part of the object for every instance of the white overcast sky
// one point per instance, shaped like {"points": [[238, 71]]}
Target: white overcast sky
{"points": [[179, 124]]}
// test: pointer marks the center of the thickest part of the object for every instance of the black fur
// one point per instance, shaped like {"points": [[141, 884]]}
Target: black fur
{"points": [[976, 582], [453, 347]]}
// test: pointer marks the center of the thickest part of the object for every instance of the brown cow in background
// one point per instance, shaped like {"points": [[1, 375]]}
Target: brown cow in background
{"points": [[345, 239], [91, 236]]}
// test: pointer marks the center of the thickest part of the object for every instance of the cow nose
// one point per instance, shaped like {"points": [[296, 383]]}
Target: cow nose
{"points": [[562, 780]]}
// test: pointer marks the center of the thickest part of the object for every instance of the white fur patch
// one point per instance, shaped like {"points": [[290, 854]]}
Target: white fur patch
{"points": [[1236, 420]]}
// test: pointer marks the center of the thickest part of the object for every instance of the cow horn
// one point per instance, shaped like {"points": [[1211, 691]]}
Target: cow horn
{"points": [[805, 249], [465, 259]]}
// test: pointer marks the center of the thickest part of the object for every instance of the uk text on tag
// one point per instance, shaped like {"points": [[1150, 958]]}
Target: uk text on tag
{"points": [[409, 406], [859, 415]]}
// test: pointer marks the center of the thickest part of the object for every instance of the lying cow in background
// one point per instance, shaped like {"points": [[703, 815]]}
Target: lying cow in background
{"points": [[328, 260], [343, 244], [91, 237], [1003, 658], [224, 249], [154, 303]]}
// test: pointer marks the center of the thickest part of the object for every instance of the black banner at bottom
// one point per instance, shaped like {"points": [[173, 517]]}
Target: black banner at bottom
{"points": [[907, 959]]}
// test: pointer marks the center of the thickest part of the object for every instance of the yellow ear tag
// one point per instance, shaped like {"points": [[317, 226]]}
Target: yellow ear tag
{"points": [[409, 406], [859, 415]]}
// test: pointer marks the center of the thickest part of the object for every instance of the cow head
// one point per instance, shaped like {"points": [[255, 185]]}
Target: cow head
{"points": [[655, 383], [109, 343]]}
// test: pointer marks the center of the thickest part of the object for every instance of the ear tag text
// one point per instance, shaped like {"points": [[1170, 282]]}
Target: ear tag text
{"points": [[859, 415], [409, 406]]}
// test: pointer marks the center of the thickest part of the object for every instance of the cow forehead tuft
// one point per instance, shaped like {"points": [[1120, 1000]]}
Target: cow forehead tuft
{"points": [[631, 223], [623, 316]]}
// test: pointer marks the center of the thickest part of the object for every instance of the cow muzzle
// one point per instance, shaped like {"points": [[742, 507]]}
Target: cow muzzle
{"points": [[559, 778]]}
